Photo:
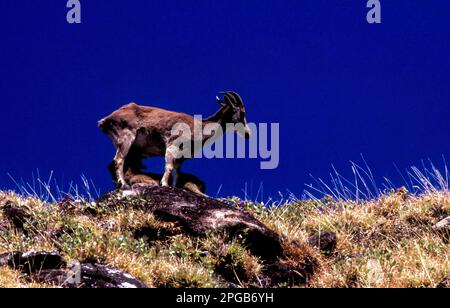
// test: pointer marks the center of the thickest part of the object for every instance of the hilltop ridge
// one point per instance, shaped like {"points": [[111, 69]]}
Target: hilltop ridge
{"points": [[391, 241]]}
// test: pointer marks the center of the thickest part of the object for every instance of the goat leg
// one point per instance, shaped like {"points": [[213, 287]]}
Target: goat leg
{"points": [[168, 169], [123, 146], [119, 161]]}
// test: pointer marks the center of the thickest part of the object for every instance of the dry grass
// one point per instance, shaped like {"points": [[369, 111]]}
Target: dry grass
{"points": [[385, 242]]}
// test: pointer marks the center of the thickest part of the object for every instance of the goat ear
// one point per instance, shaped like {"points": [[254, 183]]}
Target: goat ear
{"points": [[221, 103]]}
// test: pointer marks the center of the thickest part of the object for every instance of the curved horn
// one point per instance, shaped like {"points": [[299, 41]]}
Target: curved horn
{"points": [[237, 98], [230, 99]]}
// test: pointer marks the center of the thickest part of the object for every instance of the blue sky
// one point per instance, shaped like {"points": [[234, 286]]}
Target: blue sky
{"points": [[338, 86]]}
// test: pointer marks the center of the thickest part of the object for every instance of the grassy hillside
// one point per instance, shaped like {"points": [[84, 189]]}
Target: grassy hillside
{"points": [[385, 242]]}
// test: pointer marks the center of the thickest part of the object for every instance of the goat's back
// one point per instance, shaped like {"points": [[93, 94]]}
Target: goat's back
{"points": [[135, 117]]}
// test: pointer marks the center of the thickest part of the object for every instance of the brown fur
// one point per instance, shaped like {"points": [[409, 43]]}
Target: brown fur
{"points": [[147, 132]]}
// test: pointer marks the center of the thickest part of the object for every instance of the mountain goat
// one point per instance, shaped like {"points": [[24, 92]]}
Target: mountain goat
{"points": [[149, 132]]}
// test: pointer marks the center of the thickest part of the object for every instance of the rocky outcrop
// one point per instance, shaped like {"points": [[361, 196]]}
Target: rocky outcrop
{"points": [[178, 212], [51, 268], [442, 225], [443, 229], [198, 215], [32, 262], [16, 216]]}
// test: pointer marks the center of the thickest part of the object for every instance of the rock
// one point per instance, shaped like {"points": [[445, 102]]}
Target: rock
{"points": [[443, 224], [91, 276], [287, 272], [16, 215], [32, 261], [51, 268], [101, 276], [442, 228], [325, 242], [198, 215]]}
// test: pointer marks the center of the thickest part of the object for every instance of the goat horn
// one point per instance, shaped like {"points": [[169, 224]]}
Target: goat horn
{"points": [[230, 99], [237, 98]]}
